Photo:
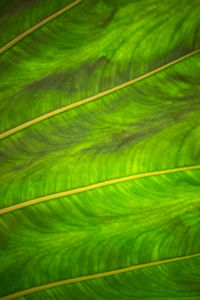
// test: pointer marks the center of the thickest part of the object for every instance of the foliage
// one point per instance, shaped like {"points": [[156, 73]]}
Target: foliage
{"points": [[148, 126]]}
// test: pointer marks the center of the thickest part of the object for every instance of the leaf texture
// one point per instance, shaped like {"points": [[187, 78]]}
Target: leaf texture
{"points": [[25, 14], [60, 64], [150, 127]]}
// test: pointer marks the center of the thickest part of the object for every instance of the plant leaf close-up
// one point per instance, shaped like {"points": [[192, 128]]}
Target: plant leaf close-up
{"points": [[99, 149]]}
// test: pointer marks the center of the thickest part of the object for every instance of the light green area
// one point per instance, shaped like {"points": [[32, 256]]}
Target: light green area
{"points": [[96, 45], [105, 229], [149, 126], [17, 16], [152, 125]]}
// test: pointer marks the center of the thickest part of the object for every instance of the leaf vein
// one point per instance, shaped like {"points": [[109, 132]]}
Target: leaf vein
{"points": [[91, 187], [37, 26], [96, 276], [53, 113]]}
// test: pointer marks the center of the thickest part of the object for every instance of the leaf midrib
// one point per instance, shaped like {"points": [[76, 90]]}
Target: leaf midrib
{"points": [[96, 276], [91, 187]]}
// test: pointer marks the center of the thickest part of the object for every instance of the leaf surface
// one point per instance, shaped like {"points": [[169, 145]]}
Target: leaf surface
{"points": [[61, 64], [148, 130]]}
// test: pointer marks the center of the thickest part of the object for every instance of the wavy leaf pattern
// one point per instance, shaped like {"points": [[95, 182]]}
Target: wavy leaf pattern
{"points": [[79, 246], [114, 40]]}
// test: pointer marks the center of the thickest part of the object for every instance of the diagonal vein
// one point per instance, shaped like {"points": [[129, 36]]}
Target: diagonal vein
{"points": [[91, 187], [92, 98], [37, 26], [96, 276]]}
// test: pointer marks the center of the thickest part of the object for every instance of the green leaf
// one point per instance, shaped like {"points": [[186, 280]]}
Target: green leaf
{"points": [[100, 199]]}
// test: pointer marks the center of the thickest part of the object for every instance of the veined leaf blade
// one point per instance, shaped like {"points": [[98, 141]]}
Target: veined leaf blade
{"points": [[101, 230], [118, 37], [146, 128], [91, 143], [147, 283]]}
